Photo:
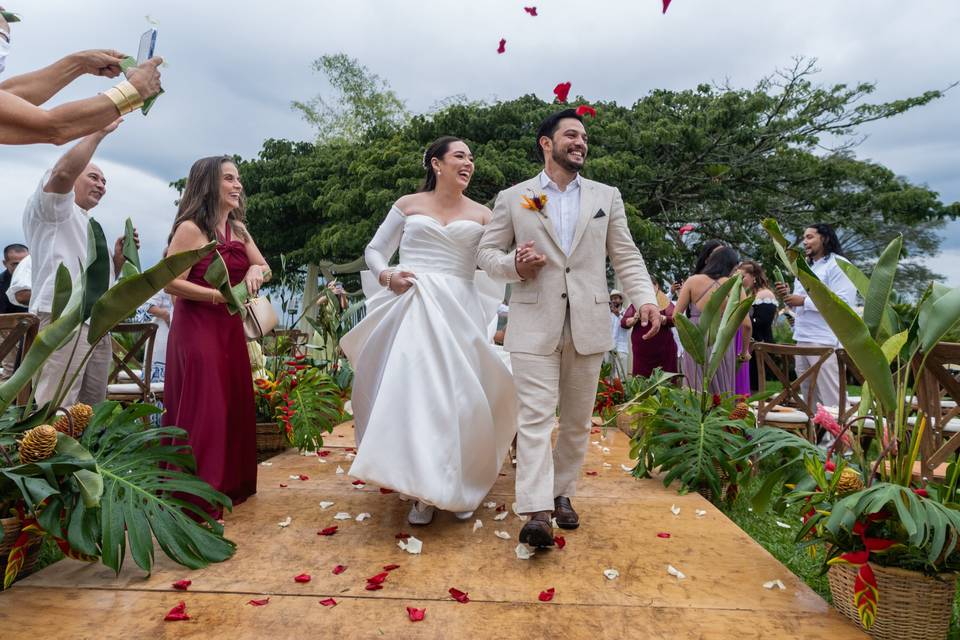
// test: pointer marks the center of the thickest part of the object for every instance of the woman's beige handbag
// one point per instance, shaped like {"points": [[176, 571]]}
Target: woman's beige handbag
{"points": [[259, 318]]}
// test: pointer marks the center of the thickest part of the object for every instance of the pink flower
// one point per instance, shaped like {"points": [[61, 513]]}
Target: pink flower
{"points": [[826, 420]]}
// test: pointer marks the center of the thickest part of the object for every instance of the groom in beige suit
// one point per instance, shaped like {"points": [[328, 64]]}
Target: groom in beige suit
{"points": [[551, 236]]}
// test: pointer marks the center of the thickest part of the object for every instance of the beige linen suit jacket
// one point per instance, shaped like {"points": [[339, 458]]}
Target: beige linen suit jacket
{"points": [[538, 307]]}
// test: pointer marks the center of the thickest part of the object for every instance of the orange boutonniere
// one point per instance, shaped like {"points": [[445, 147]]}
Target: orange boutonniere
{"points": [[535, 203]]}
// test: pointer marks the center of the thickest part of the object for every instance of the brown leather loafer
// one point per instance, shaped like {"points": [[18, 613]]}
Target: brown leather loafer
{"points": [[538, 532], [563, 511]]}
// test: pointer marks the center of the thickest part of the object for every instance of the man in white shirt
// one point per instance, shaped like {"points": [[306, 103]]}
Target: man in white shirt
{"points": [[821, 245], [620, 335], [55, 225], [18, 293]]}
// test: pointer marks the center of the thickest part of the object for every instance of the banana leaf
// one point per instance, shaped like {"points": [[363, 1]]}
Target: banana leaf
{"points": [[889, 322], [710, 315], [124, 297], [780, 243], [62, 288], [881, 284], [218, 277], [691, 338], [728, 329], [95, 277], [130, 251], [942, 313]]}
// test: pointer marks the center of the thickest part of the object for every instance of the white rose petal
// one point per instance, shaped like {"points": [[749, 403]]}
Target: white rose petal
{"points": [[322, 460], [700, 513], [605, 450], [343, 515], [325, 504], [775, 583], [490, 505], [294, 477], [360, 487], [339, 470], [308, 453], [524, 552], [675, 510], [363, 516], [411, 545], [553, 523], [611, 574], [266, 463], [477, 525], [502, 535], [675, 572], [783, 525], [350, 456], [607, 465], [501, 516], [283, 524], [626, 468]]}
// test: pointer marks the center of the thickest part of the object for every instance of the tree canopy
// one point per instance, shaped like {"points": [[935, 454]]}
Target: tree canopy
{"points": [[718, 157]]}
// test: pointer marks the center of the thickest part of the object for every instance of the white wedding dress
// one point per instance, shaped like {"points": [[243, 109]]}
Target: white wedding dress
{"points": [[434, 403]]}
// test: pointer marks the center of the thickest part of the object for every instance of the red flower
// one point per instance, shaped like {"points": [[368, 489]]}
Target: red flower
{"points": [[179, 612], [391, 567], [561, 91], [826, 420], [181, 585], [303, 577], [259, 603], [560, 541], [458, 595], [687, 228], [830, 466], [329, 531], [337, 570], [531, 10], [666, 5], [416, 615], [586, 110], [922, 493], [717, 399], [503, 46], [547, 596], [329, 602]]}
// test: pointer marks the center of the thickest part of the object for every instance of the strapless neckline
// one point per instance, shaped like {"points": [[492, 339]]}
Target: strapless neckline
{"points": [[440, 224]]}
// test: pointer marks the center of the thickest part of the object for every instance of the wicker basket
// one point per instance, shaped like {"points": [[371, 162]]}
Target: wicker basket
{"points": [[11, 531], [911, 605], [270, 438], [627, 423]]}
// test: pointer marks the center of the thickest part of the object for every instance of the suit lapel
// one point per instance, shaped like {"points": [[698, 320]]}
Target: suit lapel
{"points": [[588, 207]]}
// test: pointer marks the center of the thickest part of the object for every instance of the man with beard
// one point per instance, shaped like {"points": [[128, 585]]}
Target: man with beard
{"points": [[55, 225], [551, 236]]}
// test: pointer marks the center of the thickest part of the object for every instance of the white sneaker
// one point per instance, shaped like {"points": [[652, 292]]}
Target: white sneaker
{"points": [[463, 515], [420, 513]]}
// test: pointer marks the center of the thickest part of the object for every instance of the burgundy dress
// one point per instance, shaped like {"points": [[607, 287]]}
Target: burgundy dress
{"points": [[209, 385], [658, 351]]}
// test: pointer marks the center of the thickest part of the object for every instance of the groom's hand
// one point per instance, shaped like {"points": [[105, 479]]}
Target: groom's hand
{"points": [[528, 262], [650, 317]]}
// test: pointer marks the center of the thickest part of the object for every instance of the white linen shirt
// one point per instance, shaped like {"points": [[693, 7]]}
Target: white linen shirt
{"points": [[810, 325], [621, 336], [563, 208], [20, 280], [55, 229]]}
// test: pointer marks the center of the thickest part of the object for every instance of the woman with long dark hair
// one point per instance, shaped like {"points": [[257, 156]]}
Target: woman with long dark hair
{"points": [[764, 310], [209, 387], [434, 406]]}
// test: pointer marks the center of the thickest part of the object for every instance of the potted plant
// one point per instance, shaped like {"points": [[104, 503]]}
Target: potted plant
{"points": [[890, 538]]}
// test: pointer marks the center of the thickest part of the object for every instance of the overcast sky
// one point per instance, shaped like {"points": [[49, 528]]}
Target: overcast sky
{"points": [[234, 67]]}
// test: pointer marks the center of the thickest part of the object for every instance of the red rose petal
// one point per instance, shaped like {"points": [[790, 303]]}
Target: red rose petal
{"points": [[586, 110], [547, 596], [303, 477], [182, 585], [179, 612], [350, 450], [371, 586], [402, 536], [592, 473], [323, 454], [378, 579], [596, 430], [562, 90], [531, 10], [663, 534], [458, 595], [259, 603], [501, 508], [560, 541], [358, 483], [329, 531], [329, 602], [391, 567], [385, 491], [416, 615], [283, 486], [337, 570], [503, 46], [303, 577], [666, 5]]}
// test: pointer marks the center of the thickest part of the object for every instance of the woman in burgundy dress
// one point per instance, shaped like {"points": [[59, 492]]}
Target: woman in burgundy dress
{"points": [[658, 351], [209, 386]]}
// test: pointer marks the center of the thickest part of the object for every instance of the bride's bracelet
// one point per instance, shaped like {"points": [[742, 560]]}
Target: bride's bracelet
{"points": [[389, 278]]}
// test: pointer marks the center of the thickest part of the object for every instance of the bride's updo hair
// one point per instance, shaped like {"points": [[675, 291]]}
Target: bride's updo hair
{"points": [[437, 149]]}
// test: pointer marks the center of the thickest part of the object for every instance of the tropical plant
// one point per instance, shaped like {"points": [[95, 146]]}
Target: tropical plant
{"points": [[870, 508]]}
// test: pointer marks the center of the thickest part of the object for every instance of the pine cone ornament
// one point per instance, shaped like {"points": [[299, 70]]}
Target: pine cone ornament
{"points": [[741, 411], [38, 444], [850, 481], [81, 414]]}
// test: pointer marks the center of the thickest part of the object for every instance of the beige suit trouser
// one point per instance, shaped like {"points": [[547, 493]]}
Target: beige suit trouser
{"points": [[90, 387], [564, 379]]}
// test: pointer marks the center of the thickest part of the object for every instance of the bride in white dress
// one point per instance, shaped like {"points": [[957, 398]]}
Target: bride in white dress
{"points": [[434, 405]]}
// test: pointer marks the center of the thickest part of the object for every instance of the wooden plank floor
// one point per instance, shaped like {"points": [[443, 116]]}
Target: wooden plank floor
{"points": [[721, 597]]}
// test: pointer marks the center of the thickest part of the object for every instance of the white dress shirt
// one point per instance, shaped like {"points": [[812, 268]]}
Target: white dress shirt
{"points": [[621, 336], [563, 208], [20, 281], [810, 325]]}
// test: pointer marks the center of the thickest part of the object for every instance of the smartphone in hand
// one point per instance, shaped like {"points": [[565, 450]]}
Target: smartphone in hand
{"points": [[148, 43]]}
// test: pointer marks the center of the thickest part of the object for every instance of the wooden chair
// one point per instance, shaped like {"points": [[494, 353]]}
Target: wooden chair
{"points": [[129, 379], [938, 391], [298, 340], [788, 409], [19, 331]]}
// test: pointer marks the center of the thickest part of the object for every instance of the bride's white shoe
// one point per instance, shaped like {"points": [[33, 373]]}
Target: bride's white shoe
{"points": [[420, 513]]}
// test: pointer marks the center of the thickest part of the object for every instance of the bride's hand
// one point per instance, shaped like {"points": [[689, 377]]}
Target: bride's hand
{"points": [[402, 281]]}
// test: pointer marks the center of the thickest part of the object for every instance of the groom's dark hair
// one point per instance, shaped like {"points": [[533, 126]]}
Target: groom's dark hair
{"points": [[550, 124]]}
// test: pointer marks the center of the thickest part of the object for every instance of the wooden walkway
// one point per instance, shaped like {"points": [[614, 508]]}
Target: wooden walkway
{"points": [[721, 596]]}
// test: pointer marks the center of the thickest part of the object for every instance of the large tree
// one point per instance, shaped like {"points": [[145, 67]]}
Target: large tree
{"points": [[715, 156]]}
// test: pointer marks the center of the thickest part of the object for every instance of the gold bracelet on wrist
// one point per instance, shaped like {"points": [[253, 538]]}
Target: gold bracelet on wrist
{"points": [[130, 93], [125, 97], [119, 100]]}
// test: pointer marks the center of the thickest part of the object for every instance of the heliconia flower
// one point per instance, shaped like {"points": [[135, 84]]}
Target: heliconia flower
{"points": [[826, 420], [922, 493], [687, 228], [531, 10], [562, 90], [458, 595], [416, 615], [503, 46], [830, 466], [586, 110]]}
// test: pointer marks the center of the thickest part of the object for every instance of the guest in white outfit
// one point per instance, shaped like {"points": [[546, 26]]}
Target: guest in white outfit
{"points": [[620, 334], [435, 407], [160, 309]]}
